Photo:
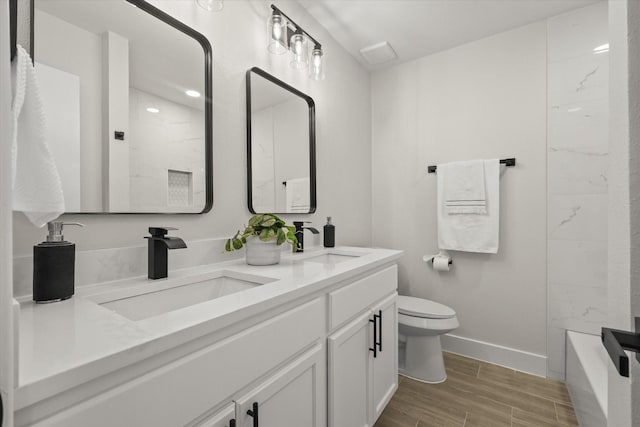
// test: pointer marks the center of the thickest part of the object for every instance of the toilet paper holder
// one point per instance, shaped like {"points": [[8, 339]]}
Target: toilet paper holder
{"points": [[430, 258]]}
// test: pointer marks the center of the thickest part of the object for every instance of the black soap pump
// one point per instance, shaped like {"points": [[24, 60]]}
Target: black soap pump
{"points": [[54, 266], [329, 234]]}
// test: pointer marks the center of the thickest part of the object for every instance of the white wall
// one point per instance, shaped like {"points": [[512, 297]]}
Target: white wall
{"points": [[79, 52], [116, 184], [343, 135], [485, 99], [577, 177], [60, 95]]}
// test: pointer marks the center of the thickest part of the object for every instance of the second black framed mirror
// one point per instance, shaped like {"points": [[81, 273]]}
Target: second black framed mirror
{"points": [[281, 146]]}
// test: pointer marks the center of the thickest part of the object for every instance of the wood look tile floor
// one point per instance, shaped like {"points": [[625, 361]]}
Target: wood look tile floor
{"points": [[479, 394]]}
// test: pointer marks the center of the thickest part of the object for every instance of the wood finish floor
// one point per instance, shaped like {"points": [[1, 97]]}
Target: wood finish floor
{"points": [[479, 394]]}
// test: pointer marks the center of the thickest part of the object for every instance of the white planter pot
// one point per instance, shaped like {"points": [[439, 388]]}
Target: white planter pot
{"points": [[262, 253]]}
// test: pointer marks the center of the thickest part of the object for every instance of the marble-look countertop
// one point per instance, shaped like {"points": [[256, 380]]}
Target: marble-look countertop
{"points": [[65, 344]]}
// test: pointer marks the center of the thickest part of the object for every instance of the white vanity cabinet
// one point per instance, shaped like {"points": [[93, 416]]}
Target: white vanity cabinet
{"points": [[306, 361], [294, 397], [183, 391], [384, 378], [349, 374], [363, 354], [223, 418]]}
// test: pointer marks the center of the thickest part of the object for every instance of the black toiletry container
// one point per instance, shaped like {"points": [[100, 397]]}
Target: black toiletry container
{"points": [[54, 266]]}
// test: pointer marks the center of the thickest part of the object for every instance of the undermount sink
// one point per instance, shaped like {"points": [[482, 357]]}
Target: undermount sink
{"points": [[149, 300], [331, 258]]}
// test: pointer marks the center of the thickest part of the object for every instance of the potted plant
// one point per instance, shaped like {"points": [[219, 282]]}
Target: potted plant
{"points": [[263, 236]]}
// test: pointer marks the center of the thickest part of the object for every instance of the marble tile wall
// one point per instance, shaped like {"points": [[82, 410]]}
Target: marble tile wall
{"points": [[576, 177], [172, 139]]}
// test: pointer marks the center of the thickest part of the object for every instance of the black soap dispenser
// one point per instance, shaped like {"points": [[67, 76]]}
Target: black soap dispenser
{"points": [[329, 234], [54, 266]]}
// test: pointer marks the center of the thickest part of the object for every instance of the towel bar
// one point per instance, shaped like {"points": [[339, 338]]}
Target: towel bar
{"points": [[507, 162]]}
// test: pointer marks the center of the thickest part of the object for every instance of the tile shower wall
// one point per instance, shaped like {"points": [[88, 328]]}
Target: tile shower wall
{"points": [[577, 177], [170, 140]]}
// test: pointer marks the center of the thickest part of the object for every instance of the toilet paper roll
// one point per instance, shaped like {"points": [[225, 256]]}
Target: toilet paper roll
{"points": [[441, 263]]}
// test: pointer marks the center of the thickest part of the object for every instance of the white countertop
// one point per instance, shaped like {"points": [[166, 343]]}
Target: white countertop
{"points": [[67, 343]]}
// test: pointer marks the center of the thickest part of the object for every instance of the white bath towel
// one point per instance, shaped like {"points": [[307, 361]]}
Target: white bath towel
{"points": [[472, 232], [298, 195], [37, 188], [464, 187]]}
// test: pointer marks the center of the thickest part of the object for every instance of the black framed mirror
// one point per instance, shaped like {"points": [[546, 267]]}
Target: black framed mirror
{"points": [[281, 146], [127, 91]]}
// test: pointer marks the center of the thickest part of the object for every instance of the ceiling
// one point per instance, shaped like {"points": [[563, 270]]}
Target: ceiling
{"points": [[416, 28]]}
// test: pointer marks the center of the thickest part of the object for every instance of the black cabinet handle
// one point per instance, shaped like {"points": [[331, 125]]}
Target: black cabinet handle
{"points": [[232, 423], [375, 335], [253, 413], [616, 342], [380, 330]]}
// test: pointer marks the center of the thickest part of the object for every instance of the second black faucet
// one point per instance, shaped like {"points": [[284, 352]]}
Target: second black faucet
{"points": [[300, 234]]}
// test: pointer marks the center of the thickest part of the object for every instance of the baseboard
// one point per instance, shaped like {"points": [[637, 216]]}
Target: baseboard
{"points": [[519, 360]]}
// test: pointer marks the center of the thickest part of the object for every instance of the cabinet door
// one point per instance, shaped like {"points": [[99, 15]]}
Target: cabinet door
{"points": [[222, 418], [349, 374], [385, 364], [296, 396]]}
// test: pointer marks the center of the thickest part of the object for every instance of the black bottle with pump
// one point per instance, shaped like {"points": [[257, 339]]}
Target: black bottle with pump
{"points": [[54, 266], [329, 233]]}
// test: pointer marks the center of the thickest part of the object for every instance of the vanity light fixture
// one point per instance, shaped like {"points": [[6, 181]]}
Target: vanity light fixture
{"points": [[192, 93], [153, 110], [285, 35], [211, 5]]}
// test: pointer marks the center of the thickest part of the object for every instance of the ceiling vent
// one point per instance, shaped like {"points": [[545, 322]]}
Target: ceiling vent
{"points": [[378, 53]]}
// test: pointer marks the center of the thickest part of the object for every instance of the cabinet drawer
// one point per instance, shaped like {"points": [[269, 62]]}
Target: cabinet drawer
{"points": [[183, 390], [347, 302]]}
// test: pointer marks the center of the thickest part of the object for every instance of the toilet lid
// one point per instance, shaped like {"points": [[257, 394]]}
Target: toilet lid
{"points": [[419, 307]]}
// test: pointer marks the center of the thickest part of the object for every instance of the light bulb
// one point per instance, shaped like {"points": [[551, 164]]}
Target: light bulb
{"points": [[211, 5], [277, 34], [316, 67], [299, 51]]}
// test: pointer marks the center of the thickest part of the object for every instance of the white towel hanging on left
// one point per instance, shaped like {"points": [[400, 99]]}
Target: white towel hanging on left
{"points": [[37, 188]]}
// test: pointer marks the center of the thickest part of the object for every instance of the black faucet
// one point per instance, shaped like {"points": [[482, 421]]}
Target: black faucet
{"points": [[159, 245], [300, 234]]}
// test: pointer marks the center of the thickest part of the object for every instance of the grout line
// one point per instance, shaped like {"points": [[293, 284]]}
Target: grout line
{"points": [[466, 415], [512, 416], [555, 408]]}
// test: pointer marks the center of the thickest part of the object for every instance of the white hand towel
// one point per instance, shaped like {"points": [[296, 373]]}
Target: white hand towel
{"points": [[472, 232], [298, 195], [37, 188], [464, 187]]}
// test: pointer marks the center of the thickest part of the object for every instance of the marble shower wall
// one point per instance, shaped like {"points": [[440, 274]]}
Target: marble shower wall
{"points": [[578, 72]]}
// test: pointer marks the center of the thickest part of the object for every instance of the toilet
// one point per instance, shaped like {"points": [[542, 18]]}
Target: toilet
{"points": [[420, 324]]}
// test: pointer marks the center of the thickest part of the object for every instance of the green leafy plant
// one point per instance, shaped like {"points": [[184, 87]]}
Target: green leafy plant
{"points": [[267, 227]]}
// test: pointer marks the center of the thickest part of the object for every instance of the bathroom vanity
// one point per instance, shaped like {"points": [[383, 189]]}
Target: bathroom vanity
{"points": [[309, 342]]}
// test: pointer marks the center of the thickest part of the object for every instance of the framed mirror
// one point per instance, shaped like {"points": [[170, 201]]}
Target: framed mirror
{"points": [[281, 146], [127, 92]]}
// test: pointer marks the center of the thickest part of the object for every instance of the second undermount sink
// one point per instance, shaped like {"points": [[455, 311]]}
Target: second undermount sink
{"points": [[149, 300], [331, 258]]}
